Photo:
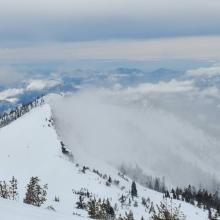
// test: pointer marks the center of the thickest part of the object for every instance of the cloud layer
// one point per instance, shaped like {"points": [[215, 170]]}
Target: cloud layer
{"points": [[41, 84], [172, 86], [165, 48], [10, 94], [9, 76], [205, 72], [27, 21]]}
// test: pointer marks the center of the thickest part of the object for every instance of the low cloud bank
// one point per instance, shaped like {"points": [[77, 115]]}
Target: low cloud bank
{"points": [[9, 76], [205, 72], [40, 84], [9, 94]]}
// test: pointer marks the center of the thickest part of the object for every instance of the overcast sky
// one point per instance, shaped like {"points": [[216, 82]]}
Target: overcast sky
{"points": [[27, 23], [71, 20]]}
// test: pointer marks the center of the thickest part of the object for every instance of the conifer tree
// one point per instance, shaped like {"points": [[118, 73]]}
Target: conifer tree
{"points": [[133, 189], [4, 190], [129, 216], [167, 212], [35, 195], [100, 209], [92, 208], [80, 204], [13, 188]]}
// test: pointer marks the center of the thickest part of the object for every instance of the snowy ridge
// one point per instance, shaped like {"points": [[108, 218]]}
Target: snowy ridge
{"points": [[30, 146]]}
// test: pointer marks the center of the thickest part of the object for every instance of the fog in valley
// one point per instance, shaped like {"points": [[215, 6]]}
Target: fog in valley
{"points": [[164, 129]]}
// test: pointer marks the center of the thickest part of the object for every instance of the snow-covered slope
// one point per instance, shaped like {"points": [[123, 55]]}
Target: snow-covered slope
{"points": [[11, 210], [30, 146]]}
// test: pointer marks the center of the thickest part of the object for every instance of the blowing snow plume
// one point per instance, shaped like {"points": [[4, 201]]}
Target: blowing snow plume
{"points": [[135, 128]]}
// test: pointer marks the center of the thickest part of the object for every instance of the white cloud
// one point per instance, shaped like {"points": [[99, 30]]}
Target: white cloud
{"points": [[208, 72], [39, 84], [9, 76], [10, 93], [172, 86], [138, 7], [211, 91], [167, 48], [28, 21]]}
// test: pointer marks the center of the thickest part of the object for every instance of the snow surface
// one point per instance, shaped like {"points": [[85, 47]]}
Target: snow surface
{"points": [[30, 146], [10, 210]]}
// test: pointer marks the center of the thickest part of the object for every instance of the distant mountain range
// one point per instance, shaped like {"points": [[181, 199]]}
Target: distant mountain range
{"points": [[79, 78]]}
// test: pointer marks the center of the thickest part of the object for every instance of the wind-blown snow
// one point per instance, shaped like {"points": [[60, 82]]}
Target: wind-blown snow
{"points": [[30, 146], [133, 127]]}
